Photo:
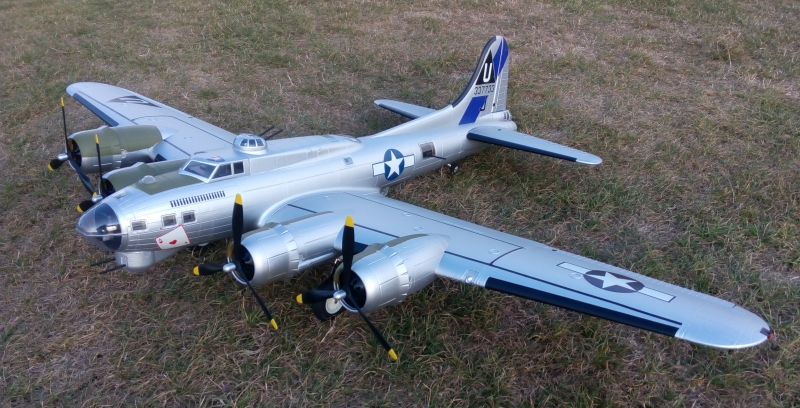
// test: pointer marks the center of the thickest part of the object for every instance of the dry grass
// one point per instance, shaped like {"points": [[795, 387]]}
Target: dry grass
{"points": [[693, 106]]}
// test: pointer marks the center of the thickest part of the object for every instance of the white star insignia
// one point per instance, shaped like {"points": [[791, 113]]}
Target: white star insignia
{"points": [[610, 280], [394, 164]]}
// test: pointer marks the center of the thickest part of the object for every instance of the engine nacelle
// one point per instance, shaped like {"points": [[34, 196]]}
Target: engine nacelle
{"points": [[119, 146], [280, 251], [387, 273], [121, 178]]}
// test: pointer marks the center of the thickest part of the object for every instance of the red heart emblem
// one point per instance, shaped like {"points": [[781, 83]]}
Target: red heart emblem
{"points": [[173, 242]]}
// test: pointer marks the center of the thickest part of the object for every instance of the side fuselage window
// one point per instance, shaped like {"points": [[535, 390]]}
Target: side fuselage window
{"points": [[139, 225], [188, 217], [428, 150], [168, 220], [238, 168]]}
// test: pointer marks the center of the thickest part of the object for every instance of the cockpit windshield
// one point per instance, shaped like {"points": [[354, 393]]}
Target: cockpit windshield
{"points": [[199, 168]]}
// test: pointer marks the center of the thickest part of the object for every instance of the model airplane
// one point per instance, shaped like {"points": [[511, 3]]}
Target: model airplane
{"points": [[170, 180]]}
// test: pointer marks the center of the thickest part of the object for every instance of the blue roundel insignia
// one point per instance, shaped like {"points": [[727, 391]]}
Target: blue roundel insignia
{"points": [[393, 164]]}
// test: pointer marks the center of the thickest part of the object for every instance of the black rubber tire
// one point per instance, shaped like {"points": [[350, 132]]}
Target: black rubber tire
{"points": [[319, 310]]}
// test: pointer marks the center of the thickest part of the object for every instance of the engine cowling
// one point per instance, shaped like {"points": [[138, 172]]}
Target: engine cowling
{"points": [[281, 251], [121, 178], [385, 274], [119, 146]]}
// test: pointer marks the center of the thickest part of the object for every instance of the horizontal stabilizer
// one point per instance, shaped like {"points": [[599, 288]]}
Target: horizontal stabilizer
{"points": [[521, 141], [406, 109]]}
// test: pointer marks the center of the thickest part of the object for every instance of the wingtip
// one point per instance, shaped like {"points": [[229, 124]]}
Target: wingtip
{"points": [[594, 160]]}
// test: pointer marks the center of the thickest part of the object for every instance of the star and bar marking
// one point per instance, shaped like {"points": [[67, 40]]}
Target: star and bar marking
{"points": [[393, 164], [614, 282]]}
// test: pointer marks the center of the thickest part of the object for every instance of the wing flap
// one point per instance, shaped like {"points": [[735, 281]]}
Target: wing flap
{"points": [[528, 143], [495, 260], [406, 109]]}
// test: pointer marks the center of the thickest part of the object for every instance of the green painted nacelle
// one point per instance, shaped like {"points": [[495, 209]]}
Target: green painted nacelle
{"points": [[122, 178], [119, 146]]}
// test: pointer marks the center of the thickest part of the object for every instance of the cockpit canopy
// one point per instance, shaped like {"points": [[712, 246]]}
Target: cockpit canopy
{"points": [[249, 143], [207, 169]]}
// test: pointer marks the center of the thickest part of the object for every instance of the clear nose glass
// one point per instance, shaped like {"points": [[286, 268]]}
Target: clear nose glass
{"points": [[100, 225]]}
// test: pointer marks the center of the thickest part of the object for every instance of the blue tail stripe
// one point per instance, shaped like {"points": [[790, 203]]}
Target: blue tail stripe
{"points": [[500, 58], [473, 109]]}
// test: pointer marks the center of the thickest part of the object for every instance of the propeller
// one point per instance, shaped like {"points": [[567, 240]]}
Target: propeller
{"points": [[68, 156], [346, 285], [235, 257]]}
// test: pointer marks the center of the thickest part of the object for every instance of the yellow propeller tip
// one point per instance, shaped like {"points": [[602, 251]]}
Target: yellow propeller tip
{"points": [[49, 167], [348, 222], [96, 139], [274, 325], [196, 270], [62, 101], [239, 199], [79, 209], [299, 298], [392, 354]]}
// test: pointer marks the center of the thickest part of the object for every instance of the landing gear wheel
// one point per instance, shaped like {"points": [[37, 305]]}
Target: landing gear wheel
{"points": [[453, 167], [328, 309]]}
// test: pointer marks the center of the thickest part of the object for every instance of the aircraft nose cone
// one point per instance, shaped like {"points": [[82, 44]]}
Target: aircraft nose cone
{"points": [[100, 226]]}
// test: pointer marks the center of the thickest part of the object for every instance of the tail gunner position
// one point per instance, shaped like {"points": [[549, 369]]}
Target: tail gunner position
{"points": [[169, 180]]}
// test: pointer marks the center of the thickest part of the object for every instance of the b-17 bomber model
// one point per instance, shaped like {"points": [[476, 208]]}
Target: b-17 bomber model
{"points": [[170, 181]]}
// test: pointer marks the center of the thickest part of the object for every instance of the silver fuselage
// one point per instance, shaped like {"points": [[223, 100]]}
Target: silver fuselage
{"points": [[290, 168]]}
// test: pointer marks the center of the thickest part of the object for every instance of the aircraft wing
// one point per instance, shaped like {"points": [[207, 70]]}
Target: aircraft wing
{"points": [[502, 262], [120, 107]]}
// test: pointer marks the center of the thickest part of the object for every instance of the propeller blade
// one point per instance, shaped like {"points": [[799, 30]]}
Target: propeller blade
{"points": [[207, 269], [258, 298], [85, 205], [348, 250], [64, 122], [375, 331], [87, 183], [100, 189], [237, 220], [314, 296], [54, 164]]}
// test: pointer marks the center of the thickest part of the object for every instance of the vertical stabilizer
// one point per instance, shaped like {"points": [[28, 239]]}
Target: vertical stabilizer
{"points": [[484, 95], [486, 91]]}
